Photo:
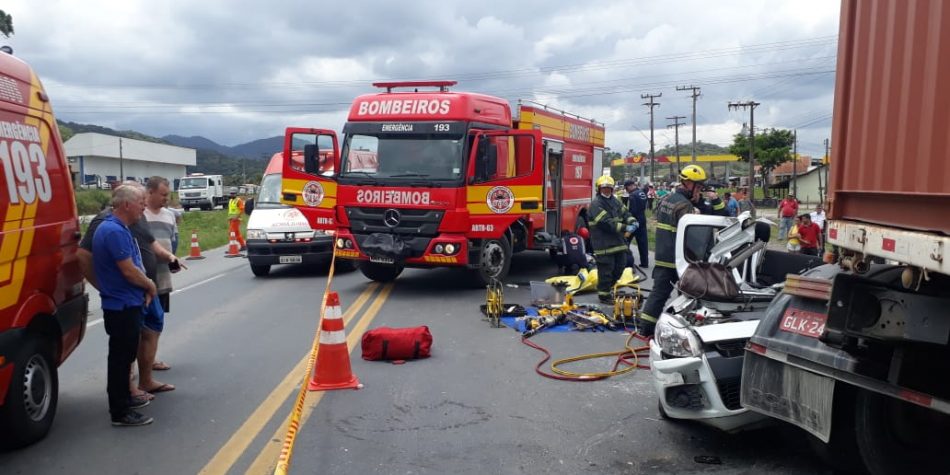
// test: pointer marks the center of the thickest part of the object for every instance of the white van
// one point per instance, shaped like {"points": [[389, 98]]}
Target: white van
{"points": [[279, 233]]}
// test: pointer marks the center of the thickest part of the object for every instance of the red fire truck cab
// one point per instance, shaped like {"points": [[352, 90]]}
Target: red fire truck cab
{"points": [[438, 178]]}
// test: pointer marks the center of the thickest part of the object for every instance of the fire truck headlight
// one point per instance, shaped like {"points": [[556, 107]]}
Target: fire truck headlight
{"points": [[439, 248], [450, 249], [349, 244], [339, 243]]}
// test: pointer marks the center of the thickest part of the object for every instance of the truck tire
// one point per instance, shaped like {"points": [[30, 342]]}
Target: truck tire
{"points": [[494, 260], [895, 437], [260, 270], [28, 413], [841, 451], [380, 272]]}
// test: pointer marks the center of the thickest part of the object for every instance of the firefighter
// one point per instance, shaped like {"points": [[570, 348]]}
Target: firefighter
{"points": [[637, 204], [235, 209], [689, 195], [609, 227]]}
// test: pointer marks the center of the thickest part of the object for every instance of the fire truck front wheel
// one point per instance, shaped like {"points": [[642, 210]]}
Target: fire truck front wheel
{"points": [[494, 260], [380, 272], [31, 401]]}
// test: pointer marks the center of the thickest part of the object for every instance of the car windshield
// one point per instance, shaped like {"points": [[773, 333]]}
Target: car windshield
{"points": [[433, 157], [193, 183], [269, 196]]}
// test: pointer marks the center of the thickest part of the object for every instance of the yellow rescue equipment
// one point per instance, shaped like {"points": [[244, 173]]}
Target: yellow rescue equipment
{"points": [[586, 280]]}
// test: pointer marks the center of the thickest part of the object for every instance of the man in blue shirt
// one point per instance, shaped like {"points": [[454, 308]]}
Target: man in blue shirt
{"points": [[124, 290], [732, 205]]}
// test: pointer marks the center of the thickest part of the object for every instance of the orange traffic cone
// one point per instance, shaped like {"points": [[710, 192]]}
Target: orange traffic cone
{"points": [[333, 360], [195, 247], [233, 249]]}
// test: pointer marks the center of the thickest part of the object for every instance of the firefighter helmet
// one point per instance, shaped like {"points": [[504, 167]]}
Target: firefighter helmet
{"points": [[693, 173], [605, 181]]}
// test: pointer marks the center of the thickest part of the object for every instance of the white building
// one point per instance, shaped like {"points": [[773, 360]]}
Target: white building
{"points": [[96, 159]]}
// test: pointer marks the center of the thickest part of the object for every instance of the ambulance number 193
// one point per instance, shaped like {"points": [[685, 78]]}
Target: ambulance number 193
{"points": [[24, 168]]}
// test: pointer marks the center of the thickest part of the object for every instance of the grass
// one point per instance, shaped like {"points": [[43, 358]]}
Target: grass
{"points": [[211, 226]]}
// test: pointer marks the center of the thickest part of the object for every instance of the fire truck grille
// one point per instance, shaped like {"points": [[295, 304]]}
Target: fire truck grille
{"points": [[416, 222]]}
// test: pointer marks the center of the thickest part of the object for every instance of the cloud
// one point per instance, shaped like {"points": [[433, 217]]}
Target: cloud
{"points": [[235, 71]]}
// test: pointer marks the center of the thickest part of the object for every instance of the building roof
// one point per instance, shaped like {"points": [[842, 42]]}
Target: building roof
{"points": [[102, 145], [804, 164]]}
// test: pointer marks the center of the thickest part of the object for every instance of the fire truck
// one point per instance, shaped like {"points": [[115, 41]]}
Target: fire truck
{"points": [[437, 178]]}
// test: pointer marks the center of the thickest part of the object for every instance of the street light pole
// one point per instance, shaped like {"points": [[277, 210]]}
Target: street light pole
{"points": [[751, 105], [651, 104]]}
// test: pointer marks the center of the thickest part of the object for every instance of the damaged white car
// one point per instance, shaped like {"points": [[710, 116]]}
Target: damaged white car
{"points": [[697, 351]]}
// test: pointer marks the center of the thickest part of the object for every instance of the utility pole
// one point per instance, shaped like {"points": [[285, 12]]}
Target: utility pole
{"points": [[651, 104], [795, 163], [121, 165], [751, 105], [676, 136], [825, 162], [695, 95]]}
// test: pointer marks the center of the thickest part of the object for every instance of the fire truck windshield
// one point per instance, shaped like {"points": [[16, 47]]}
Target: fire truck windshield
{"points": [[403, 156]]}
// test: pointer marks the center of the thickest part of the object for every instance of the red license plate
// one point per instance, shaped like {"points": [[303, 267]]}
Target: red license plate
{"points": [[803, 322]]}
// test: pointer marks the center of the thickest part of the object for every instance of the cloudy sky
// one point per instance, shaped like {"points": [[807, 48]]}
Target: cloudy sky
{"points": [[235, 71]]}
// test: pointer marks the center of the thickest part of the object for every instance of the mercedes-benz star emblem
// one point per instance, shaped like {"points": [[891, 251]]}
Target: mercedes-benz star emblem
{"points": [[391, 218]]}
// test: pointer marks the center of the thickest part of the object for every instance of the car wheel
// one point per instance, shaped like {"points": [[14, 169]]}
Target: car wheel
{"points": [[186, 208], [34, 392], [260, 270], [494, 261], [894, 436], [380, 272]]}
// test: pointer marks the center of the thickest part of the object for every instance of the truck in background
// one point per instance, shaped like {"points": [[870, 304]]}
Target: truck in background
{"points": [[858, 353], [206, 192], [439, 178], [43, 303], [278, 233]]}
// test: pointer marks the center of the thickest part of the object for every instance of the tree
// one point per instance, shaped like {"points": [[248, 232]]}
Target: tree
{"points": [[773, 147], [6, 24]]}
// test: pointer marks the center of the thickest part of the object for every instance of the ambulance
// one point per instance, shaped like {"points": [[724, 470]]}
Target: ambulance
{"points": [[43, 303], [429, 177], [281, 234]]}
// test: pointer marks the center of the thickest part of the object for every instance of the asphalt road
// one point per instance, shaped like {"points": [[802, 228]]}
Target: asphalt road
{"points": [[238, 345]]}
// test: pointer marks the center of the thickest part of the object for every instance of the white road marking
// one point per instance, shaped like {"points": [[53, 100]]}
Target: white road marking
{"points": [[196, 284]]}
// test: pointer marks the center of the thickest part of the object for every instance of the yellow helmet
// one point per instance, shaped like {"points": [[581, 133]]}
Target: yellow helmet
{"points": [[605, 180], [693, 173]]}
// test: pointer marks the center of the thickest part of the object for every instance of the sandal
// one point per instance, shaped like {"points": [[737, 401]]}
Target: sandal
{"points": [[160, 366]]}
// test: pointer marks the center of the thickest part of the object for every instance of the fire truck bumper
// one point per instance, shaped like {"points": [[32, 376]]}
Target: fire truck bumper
{"points": [[442, 250]]}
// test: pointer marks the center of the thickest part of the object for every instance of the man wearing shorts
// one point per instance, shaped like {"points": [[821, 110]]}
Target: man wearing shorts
{"points": [[161, 225]]}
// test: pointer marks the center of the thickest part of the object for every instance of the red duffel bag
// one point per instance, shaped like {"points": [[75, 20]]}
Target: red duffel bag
{"points": [[386, 343]]}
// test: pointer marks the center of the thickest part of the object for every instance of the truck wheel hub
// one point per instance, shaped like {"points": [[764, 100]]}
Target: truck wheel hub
{"points": [[36, 388]]}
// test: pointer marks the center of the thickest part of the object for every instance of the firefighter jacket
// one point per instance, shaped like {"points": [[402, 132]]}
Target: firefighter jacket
{"points": [[668, 213], [610, 218]]}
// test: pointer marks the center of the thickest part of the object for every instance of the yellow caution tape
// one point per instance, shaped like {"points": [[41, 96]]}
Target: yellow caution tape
{"points": [[293, 424]]}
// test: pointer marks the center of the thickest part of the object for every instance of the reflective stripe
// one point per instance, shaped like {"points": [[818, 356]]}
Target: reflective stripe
{"points": [[666, 227], [598, 217], [631, 220], [619, 227], [332, 338], [647, 317], [719, 206], [611, 250], [665, 264]]}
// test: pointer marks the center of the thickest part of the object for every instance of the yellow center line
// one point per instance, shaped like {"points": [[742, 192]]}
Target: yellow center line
{"points": [[224, 459], [267, 458]]}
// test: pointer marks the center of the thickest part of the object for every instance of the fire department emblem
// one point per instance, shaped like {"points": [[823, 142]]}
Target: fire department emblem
{"points": [[313, 193], [500, 199]]}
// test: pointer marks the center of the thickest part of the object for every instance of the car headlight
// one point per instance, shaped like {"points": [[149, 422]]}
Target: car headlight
{"points": [[675, 337], [256, 234]]}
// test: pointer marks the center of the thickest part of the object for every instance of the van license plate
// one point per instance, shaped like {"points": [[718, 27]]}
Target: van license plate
{"points": [[382, 260], [290, 259]]}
